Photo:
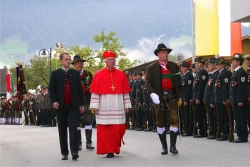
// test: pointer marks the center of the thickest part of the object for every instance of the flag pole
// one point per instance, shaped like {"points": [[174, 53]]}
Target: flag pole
{"points": [[193, 30]]}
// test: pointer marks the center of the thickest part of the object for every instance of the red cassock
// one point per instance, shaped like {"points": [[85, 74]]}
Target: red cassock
{"points": [[109, 136]]}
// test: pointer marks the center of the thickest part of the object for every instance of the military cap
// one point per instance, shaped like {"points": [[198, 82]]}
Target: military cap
{"points": [[200, 60], [193, 66], [139, 73], [212, 60], [238, 56], [185, 64]]}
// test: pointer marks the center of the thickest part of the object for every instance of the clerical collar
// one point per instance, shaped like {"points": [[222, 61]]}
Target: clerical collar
{"points": [[237, 68]]}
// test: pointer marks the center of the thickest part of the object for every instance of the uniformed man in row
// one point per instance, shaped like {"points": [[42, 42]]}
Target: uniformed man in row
{"points": [[239, 98], [247, 61], [221, 95], [208, 98], [133, 100], [187, 84], [199, 84], [139, 101], [147, 106]]}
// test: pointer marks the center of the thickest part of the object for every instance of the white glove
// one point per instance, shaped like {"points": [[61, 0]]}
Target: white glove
{"points": [[31, 103], [155, 98]]}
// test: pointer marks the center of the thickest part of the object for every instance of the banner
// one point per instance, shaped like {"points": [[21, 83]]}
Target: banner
{"points": [[207, 27], [21, 87]]}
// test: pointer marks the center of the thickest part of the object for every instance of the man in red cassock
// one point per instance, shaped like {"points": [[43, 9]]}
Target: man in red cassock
{"points": [[110, 101]]}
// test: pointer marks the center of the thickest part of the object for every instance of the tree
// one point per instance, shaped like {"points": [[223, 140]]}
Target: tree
{"points": [[94, 59]]}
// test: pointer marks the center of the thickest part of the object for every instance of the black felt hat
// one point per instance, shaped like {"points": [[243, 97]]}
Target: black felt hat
{"points": [[200, 60], [212, 60], [185, 64], [77, 58], [160, 47]]}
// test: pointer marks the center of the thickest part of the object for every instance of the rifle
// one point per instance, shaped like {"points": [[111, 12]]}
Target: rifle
{"points": [[183, 122], [218, 134], [231, 122], [195, 131], [145, 116], [154, 118]]}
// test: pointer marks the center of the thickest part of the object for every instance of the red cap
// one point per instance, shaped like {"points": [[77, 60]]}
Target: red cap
{"points": [[108, 54]]}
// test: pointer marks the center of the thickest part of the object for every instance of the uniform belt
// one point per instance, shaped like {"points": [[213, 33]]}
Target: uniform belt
{"points": [[168, 95]]}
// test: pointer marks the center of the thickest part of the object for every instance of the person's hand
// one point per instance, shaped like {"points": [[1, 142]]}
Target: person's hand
{"points": [[55, 105], [155, 98], [139, 104], [127, 110], [81, 109], [96, 110], [248, 99], [224, 102], [185, 103], [197, 102], [240, 104], [211, 105]]}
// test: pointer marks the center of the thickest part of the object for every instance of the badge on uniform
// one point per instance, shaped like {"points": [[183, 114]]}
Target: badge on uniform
{"points": [[242, 79], [203, 77], [189, 81], [226, 80]]}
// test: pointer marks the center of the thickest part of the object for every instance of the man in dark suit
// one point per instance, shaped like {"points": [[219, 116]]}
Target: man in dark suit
{"points": [[238, 97], [221, 95], [247, 61], [139, 101], [163, 83], [199, 84], [187, 83], [208, 98], [67, 98]]}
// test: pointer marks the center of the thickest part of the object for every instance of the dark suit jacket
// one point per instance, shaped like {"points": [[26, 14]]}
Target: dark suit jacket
{"points": [[199, 84], [238, 87], [57, 88], [153, 79], [248, 83], [187, 83], [87, 79], [208, 97], [221, 93]]}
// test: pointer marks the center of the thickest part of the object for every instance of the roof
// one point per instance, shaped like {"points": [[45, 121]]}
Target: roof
{"points": [[139, 67], [245, 37]]}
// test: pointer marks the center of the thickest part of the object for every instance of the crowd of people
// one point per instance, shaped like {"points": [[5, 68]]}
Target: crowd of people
{"points": [[199, 100]]}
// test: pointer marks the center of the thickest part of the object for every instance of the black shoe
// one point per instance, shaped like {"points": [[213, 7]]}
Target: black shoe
{"points": [[211, 137], [79, 147], [241, 140], [139, 129], [75, 156], [199, 136], [88, 135], [110, 155], [249, 132], [222, 138], [65, 157], [147, 130], [186, 134]]}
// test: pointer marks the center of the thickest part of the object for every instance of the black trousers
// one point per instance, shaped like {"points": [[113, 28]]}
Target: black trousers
{"points": [[48, 116], [223, 118], [201, 114], [147, 107], [65, 116], [248, 116], [43, 113], [212, 119], [240, 115], [188, 119], [139, 117]]}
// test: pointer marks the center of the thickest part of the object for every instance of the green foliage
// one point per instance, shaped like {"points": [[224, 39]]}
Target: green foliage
{"points": [[172, 58], [125, 63]]}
